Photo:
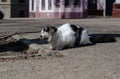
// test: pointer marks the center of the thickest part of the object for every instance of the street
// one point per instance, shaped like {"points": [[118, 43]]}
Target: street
{"points": [[100, 61]]}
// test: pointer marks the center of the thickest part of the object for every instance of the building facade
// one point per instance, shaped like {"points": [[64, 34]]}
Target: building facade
{"points": [[14, 8], [5, 8], [69, 8], [96, 8], [116, 9], [57, 8]]}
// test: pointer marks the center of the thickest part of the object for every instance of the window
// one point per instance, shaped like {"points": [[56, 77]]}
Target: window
{"points": [[92, 4], [3, 0], [32, 5], [67, 3], [76, 2], [21, 1], [49, 4], [57, 3], [43, 5], [93, 1]]}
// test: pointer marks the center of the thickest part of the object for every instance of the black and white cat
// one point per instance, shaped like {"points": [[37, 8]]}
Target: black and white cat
{"points": [[69, 35]]}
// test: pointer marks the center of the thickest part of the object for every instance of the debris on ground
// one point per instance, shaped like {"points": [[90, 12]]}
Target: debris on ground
{"points": [[12, 49]]}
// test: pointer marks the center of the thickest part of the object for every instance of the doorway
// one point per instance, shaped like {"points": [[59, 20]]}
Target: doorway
{"points": [[21, 13], [92, 9], [109, 7], [92, 4]]}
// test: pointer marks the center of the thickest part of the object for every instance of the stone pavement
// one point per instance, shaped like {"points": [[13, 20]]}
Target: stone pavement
{"points": [[100, 61], [11, 26], [94, 26]]}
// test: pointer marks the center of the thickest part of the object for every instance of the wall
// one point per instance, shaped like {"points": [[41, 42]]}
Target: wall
{"points": [[17, 7], [12, 8], [117, 1], [101, 4], [5, 8]]}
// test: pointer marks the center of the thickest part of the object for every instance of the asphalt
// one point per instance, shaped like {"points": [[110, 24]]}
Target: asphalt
{"points": [[100, 61]]}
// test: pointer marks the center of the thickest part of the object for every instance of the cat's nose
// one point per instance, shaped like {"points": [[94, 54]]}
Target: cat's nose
{"points": [[40, 36]]}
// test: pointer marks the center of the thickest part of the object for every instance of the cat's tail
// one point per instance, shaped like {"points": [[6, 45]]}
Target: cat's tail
{"points": [[101, 39]]}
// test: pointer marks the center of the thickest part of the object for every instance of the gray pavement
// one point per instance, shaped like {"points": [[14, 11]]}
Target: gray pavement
{"points": [[30, 25], [100, 61]]}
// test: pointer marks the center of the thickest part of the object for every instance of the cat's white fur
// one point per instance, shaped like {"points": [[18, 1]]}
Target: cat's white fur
{"points": [[65, 37]]}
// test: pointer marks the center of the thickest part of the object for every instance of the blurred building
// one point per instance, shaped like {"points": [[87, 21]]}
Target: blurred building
{"points": [[116, 9], [69, 8], [56, 8], [14, 8]]}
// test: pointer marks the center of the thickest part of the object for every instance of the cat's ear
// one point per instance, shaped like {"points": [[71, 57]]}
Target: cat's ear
{"points": [[46, 29], [53, 29]]}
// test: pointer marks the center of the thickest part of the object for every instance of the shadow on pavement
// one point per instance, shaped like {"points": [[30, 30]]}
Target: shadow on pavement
{"points": [[18, 46], [15, 46], [112, 35], [38, 41]]}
